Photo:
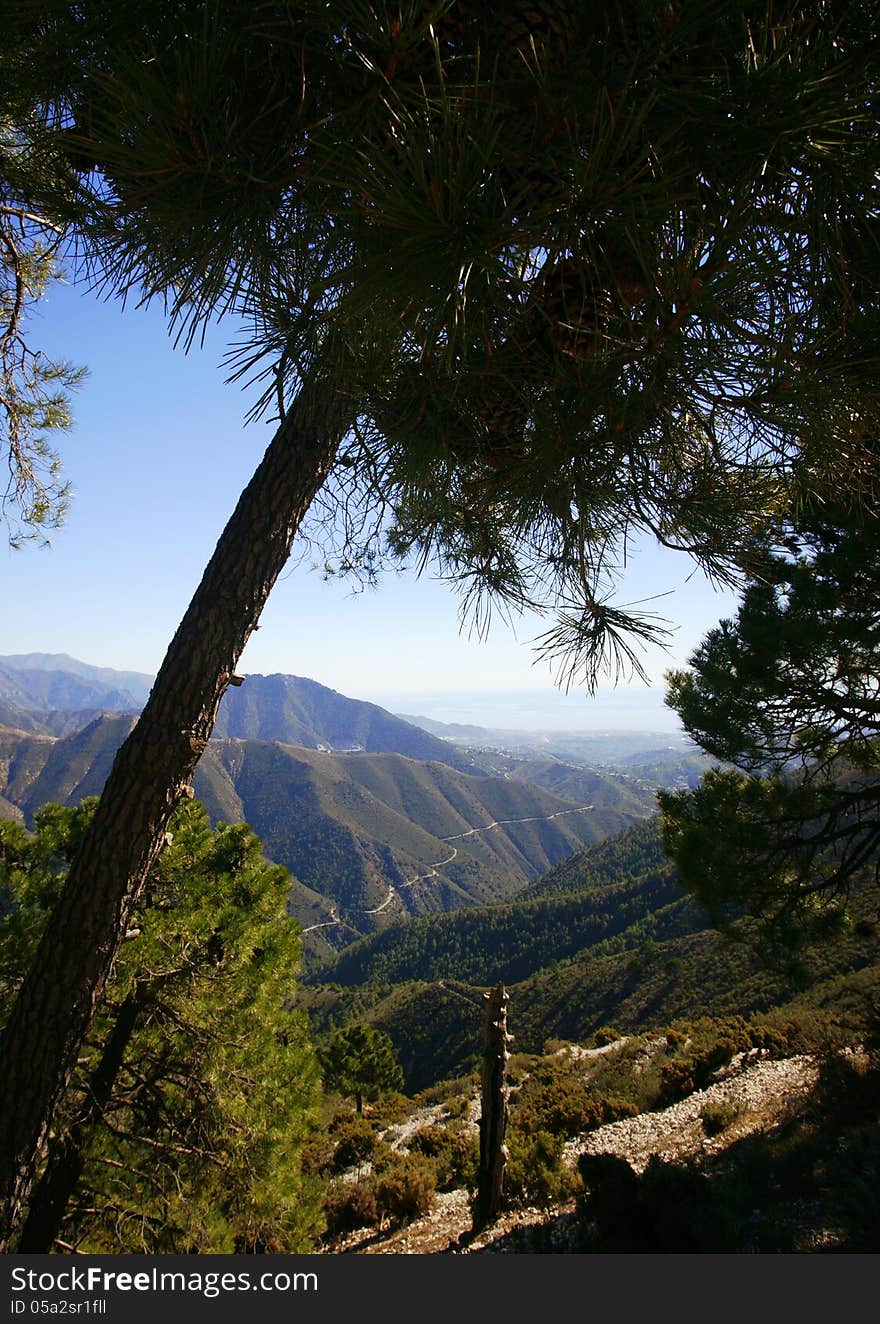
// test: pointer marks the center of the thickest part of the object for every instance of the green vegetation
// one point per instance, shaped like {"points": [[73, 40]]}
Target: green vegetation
{"points": [[556, 1098], [536, 1173], [182, 1128], [623, 795], [556, 1095], [350, 826], [606, 892], [359, 1061], [807, 1183], [355, 1143], [397, 1192], [662, 334], [636, 852], [717, 1117], [660, 963], [347, 828], [405, 1188], [787, 692], [35, 387], [485, 944], [454, 1151], [434, 1029]]}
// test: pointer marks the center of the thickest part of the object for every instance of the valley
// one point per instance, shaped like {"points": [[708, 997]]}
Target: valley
{"points": [[394, 893], [422, 871], [377, 820]]}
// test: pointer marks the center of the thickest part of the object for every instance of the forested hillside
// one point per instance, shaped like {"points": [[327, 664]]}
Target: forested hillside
{"points": [[607, 890], [369, 838], [607, 936], [581, 783], [392, 834], [37, 769]]}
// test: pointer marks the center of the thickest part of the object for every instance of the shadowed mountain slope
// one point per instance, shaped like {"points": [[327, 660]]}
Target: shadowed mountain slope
{"points": [[39, 769], [383, 836], [595, 894], [371, 837], [298, 711]]}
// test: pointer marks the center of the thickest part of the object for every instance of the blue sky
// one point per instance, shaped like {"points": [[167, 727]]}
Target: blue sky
{"points": [[157, 457]]}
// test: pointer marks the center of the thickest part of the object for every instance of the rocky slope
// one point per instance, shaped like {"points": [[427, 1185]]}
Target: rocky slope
{"points": [[761, 1093]]}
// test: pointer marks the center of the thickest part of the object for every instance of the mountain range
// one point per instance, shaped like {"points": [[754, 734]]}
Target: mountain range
{"points": [[50, 689], [606, 938], [376, 819], [424, 869]]}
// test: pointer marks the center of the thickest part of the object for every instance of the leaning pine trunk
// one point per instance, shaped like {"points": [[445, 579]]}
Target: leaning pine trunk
{"points": [[67, 1152], [151, 772]]}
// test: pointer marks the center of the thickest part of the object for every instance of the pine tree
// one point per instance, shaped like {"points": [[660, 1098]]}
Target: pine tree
{"points": [[518, 289], [360, 1061], [35, 389], [182, 1128], [787, 693]]}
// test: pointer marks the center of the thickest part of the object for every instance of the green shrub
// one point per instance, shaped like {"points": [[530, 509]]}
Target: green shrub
{"points": [[462, 1163], [676, 1080], [338, 1120], [717, 1117], [606, 1034], [349, 1206], [355, 1143], [405, 1188], [670, 1208], [430, 1140], [536, 1173], [718, 1055], [458, 1106], [554, 1099], [392, 1108], [708, 1054], [454, 1152], [771, 1040], [613, 1108], [316, 1153]]}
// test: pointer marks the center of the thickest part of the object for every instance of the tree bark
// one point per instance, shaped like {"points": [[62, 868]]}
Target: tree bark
{"points": [[151, 772], [494, 1109], [66, 1157]]}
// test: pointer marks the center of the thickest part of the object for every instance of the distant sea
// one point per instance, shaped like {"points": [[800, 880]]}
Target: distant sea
{"points": [[627, 709]]}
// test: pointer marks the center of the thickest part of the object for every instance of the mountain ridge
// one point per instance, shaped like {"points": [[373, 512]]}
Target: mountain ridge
{"points": [[376, 837], [137, 683], [291, 709]]}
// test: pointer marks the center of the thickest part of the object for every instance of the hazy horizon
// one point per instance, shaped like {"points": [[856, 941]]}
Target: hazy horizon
{"points": [[537, 710], [624, 708]]}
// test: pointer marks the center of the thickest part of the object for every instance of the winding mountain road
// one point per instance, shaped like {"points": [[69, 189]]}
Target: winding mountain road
{"points": [[394, 892]]}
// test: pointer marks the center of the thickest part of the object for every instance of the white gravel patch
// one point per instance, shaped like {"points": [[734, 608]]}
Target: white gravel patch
{"points": [[757, 1086]]}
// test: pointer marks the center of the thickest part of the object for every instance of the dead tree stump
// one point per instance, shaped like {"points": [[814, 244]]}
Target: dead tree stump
{"points": [[494, 1112]]}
